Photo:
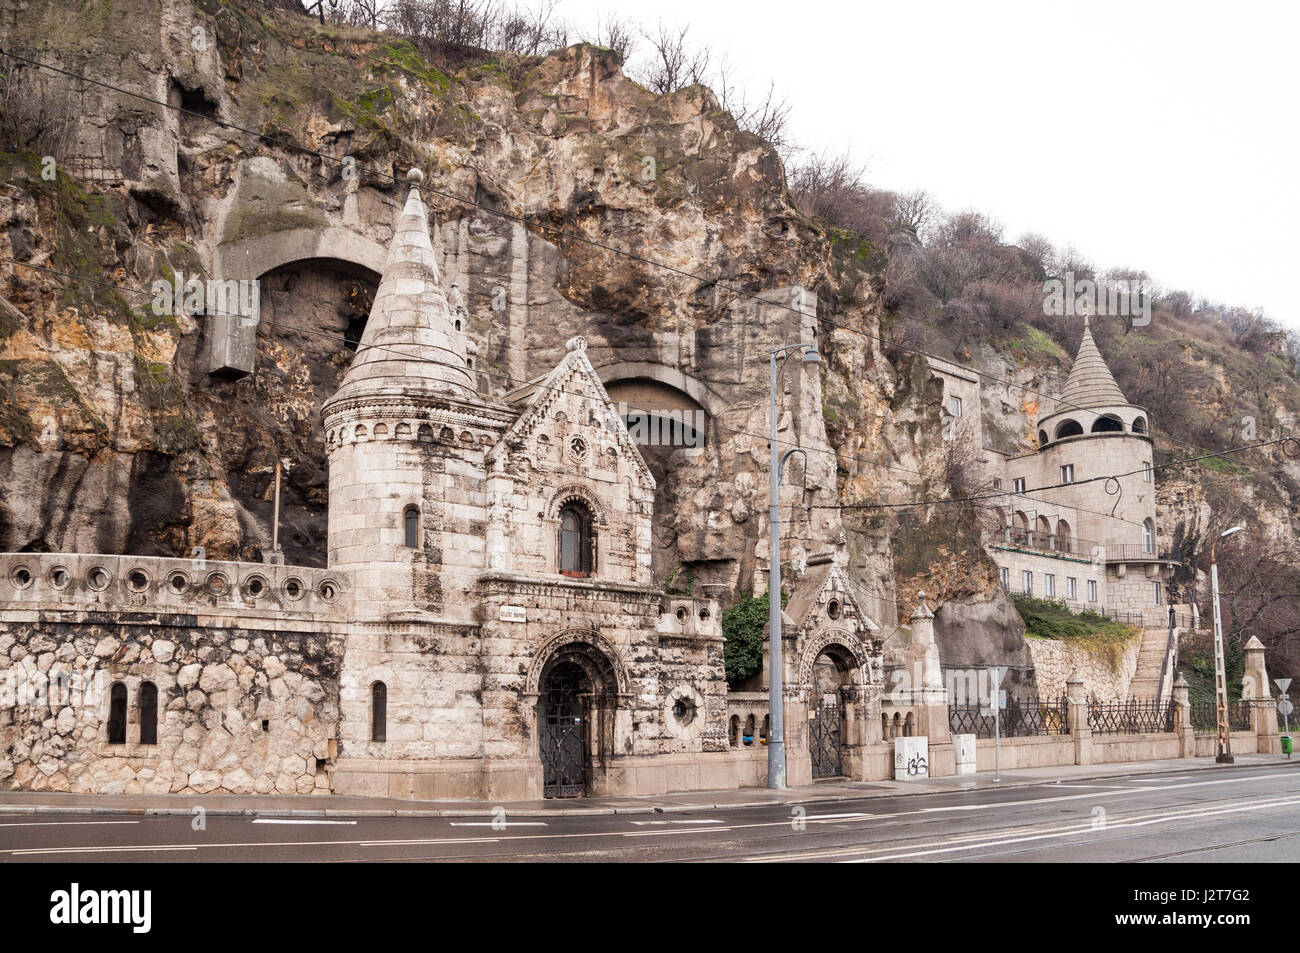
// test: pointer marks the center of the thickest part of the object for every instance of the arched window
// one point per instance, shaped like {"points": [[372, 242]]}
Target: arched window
{"points": [[1068, 428], [379, 712], [576, 543], [148, 713], [909, 726], [412, 521], [1042, 437], [733, 731], [1139, 425], [1063, 541], [1148, 536], [117, 714], [1107, 423], [747, 738], [767, 721]]}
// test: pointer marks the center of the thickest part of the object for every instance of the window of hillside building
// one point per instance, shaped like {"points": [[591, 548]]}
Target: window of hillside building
{"points": [[1155, 586], [1071, 587], [1004, 576], [1148, 536], [1146, 473], [412, 525], [575, 544], [148, 713], [1049, 585], [1092, 590], [378, 712], [1067, 473], [1018, 485], [954, 406], [117, 714], [997, 483], [1027, 582]]}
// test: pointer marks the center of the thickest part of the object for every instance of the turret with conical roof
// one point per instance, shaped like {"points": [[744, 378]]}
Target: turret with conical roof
{"points": [[406, 434], [1090, 402]]}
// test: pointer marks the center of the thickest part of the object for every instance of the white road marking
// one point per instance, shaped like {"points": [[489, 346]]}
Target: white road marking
{"points": [[836, 817], [296, 820], [498, 825], [64, 823], [696, 822], [95, 850], [650, 823]]}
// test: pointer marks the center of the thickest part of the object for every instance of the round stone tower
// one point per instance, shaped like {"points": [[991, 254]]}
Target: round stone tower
{"points": [[1090, 431], [406, 419]]}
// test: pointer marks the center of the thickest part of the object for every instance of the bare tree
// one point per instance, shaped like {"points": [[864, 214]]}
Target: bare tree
{"points": [[615, 33], [834, 187], [673, 64]]}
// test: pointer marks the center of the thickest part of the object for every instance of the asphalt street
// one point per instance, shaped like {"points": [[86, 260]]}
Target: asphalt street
{"points": [[1229, 815]]}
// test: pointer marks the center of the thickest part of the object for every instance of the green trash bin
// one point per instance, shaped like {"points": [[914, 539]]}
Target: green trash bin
{"points": [[1286, 744]]}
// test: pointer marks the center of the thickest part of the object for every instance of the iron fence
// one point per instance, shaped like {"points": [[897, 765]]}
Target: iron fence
{"points": [[1135, 716], [1045, 542], [1205, 717], [1020, 719]]}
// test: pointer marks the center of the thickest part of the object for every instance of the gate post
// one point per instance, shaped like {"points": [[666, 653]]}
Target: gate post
{"points": [[1078, 719], [1183, 719]]}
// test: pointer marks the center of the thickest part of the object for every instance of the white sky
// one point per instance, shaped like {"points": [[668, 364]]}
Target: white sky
{"points": [[1147, 135]]}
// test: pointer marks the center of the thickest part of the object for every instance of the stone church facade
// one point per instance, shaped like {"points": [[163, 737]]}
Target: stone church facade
{"points": [[487, 626]]}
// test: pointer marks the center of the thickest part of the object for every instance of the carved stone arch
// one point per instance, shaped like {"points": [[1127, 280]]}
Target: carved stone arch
{"points": [[576, 491], [845, 648], [590, 651]]}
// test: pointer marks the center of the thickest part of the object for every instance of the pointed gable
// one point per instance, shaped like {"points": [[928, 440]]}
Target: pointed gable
{"points": [[818, 587], [1091, 383], [575, 389]]}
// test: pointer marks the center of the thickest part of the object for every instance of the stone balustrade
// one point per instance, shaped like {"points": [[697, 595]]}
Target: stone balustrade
{"points": [[92, 582]]}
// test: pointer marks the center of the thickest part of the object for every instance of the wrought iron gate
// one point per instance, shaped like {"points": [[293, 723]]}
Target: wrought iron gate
{"points": [[824, 740], [561, 734]]}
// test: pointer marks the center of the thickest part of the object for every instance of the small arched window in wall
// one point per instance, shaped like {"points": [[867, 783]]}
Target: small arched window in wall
{"points": [[411, 522], [747, 738], [767, 721], [576, 543], [1139, 425], [117, 714], [379, 712], [148, 713], [733, 731], [1148, 536], [1068, 428], [909, 726]]}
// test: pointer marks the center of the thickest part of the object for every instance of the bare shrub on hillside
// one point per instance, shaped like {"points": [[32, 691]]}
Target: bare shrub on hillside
{"points": [[614, 33], [30, 119], [674, 62], [834, 188], [481, 24]]}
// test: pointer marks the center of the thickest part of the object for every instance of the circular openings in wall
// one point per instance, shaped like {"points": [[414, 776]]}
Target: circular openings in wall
{"points": [[328, 590], [255, 586], [684, 711], [704, 613], [577, 449], [60, 577], [98, 578], [682, 614], [834, 608], [218, 583], [293, 587], [137, 580], [20, 577], [178, 582]]}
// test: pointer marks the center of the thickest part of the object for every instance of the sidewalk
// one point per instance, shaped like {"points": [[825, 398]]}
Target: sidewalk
{"points": [[320, 805]]}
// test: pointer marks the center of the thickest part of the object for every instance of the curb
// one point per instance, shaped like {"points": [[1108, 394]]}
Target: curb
{"points": [[593, 811]]}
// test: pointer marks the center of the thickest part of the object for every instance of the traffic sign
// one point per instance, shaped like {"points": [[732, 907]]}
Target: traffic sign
{"points": [[1282, 684], [1285, 707]]}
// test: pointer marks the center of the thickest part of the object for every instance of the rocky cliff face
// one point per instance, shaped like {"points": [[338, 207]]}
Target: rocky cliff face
{"points": [[115, 438]]}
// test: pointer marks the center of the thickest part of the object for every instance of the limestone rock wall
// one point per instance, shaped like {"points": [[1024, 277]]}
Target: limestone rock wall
{"points": [[240, 711], [1055, 661]]}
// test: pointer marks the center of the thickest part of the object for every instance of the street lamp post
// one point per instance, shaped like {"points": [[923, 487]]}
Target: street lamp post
{"points": [[1224, 747], [776, 674]]}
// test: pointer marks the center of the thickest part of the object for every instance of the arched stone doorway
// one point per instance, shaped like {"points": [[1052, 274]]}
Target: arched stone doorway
{"points": [[580, 685], [835, 704]]}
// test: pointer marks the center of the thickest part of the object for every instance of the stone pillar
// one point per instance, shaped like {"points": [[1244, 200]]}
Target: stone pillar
{"points": [[929, 694], [1255, 692], [1078, 718], [1183, 719]]}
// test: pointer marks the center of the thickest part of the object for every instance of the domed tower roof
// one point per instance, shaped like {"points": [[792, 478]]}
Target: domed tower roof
{"points": [[1091, 383], [410, 347]]}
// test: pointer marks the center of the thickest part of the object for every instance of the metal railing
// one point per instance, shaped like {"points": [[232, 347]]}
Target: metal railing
{"points": [[1135, 552], [1045, 542], [1205, 717], [1020, 719], [1135, 716]]}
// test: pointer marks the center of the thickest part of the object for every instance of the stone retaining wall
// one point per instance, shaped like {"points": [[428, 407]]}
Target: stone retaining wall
{"points": [[1056, 660]]}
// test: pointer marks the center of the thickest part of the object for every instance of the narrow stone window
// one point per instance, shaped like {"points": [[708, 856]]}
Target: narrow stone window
{"points": [[412, 528], [378, 712], [1148, 536], [574, 545], [117, 714], [148, 713]]}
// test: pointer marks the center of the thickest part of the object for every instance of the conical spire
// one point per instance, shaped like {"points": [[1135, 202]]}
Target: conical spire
{"points": [[1091, 383], [410, 346]]}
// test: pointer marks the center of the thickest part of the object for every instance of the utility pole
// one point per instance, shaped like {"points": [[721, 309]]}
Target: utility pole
{"points": [[1224, 744], [775, 672]]}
